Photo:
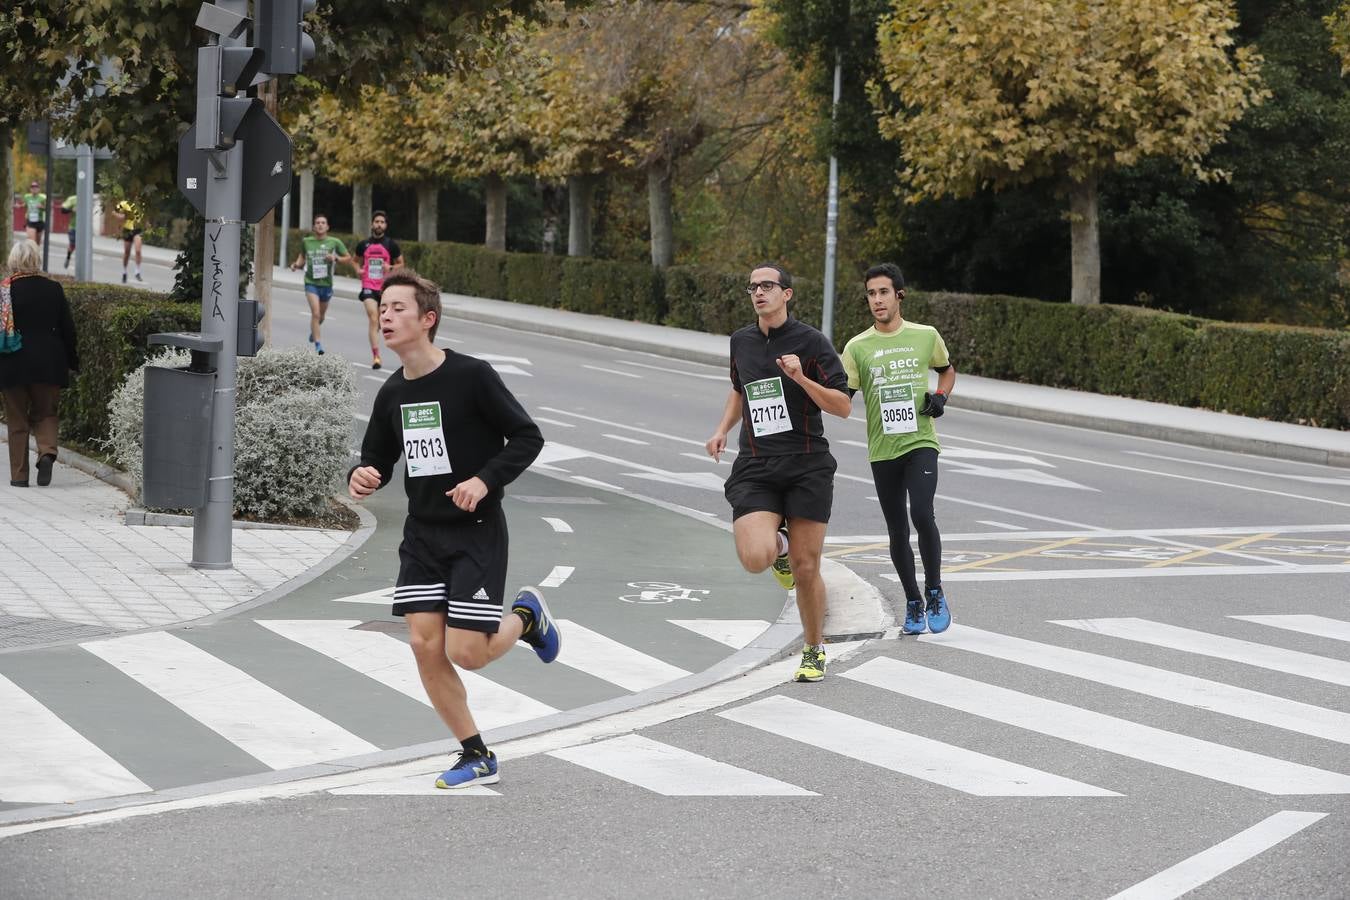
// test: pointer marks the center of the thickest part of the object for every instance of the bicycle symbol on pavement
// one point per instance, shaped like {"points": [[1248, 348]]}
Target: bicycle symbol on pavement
{"points": [[661, 592]]}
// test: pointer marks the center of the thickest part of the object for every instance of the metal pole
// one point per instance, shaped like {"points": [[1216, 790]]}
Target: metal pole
{"points": [[832, 217], [283, 260], [84, 212], [211, 537], [47, 232]]}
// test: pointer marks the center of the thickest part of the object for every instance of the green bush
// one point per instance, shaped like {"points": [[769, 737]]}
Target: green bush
{"points": [[534, 278], [634, 291], [706, 300], [293, 417], [113, 325]]}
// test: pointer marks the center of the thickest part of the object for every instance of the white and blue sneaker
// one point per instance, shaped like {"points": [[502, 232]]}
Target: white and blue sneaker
{"points": [[939, 615], [470, 768], [914, 623], [543, 635]]}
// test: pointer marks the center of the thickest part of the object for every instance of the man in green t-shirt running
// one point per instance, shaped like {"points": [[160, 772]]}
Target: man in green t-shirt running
{"points": [[889, 363], [35, 213], [318, 254]]}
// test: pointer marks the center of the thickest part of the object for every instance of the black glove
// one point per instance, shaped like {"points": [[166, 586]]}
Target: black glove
{"points": [[933, 404]]}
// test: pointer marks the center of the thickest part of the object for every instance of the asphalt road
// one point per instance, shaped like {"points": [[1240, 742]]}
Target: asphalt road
{"points": [[1146, 688]]}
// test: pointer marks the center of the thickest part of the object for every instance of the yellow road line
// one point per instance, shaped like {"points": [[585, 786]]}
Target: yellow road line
{"points": [[845, 551], [1027, 552], [1231, 545]]}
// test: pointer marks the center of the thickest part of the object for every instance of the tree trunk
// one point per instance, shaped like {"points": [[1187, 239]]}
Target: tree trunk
{"points": [[662, 219], [306, 199], [264, 247], [1084, 241], [494, 191], [427, 197], [7, 173], [580, 209], [361, 209]]}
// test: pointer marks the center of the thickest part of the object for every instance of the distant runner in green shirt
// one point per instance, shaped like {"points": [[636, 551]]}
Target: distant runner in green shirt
{"points": [[318, 254], [35, 212], [889, 363]]}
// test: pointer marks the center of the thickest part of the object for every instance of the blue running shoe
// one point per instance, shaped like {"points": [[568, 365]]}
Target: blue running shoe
{"points": [[470, 768], [939, 616], [543, 635], [913, 617]]}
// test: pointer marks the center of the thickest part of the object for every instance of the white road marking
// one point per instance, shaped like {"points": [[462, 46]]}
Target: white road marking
{"points": [[508, 369], [909, 754], [1312, 479], [626, 440], [360, 418], [379, 378], [557, 525], [1105, 533], [862, 444], [382, 596], [673, 772], [261, 721], [737, 633], [703, 457], [607, 659], [1176, 687], [1017, 512], [44, 760], [448, 340], [969, 453], [1029, 476], [623, 426], [995, 524], [389, 661], [556, 422], [1321, 626], [1092, 729], [729, 691], [610, 371], [708, 481], [669, 371], [1160, 474], [495, 358], [1263, 656], [1177, 572], [598, 483], [1190, 873], [556, 577]]}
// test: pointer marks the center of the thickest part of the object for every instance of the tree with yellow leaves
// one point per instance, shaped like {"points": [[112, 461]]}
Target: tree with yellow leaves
{"points": [[990, 95]]}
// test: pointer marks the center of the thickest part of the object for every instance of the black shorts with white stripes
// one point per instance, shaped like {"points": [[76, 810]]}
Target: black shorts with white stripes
{"points": [[457, 569]]}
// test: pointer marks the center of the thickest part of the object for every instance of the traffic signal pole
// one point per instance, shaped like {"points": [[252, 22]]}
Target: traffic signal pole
{"points": [[211, 536]]}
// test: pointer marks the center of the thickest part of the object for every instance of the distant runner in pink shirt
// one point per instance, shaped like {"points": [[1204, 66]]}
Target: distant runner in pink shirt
{"points": [[376, 257]]}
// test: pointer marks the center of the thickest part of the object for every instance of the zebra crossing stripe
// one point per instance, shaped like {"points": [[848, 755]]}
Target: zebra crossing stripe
{"points": [[44, 760], [1321, 626], [380, 597], [264, 723], [909, 754], [389, 661], [1189, 874], [1103, 732], [673, 772], [737, 633], [1214, 696], [1277, 659], [607, 659]]}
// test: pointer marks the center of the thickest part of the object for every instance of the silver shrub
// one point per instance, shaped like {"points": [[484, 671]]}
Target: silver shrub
{"points": [[293, 429]]}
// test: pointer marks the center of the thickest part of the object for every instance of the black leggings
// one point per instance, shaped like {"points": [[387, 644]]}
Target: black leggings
{"points": [[913, 474]]}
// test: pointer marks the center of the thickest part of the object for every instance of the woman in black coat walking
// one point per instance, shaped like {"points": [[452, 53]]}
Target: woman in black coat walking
{"points": [[31, 378]]}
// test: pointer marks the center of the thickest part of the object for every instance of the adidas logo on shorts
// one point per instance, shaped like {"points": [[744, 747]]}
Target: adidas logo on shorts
{"points": [[482, 594]]}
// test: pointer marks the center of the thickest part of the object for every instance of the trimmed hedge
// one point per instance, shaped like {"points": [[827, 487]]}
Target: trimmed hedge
{"points": [[533, 278], [112, 327], [617, 289]]}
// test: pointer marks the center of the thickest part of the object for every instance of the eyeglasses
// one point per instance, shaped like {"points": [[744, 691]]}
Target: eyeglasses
{"points": [[765, 286]]}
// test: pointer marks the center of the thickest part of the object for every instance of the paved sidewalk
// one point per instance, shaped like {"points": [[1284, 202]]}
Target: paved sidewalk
{"points": [[73, 569]]}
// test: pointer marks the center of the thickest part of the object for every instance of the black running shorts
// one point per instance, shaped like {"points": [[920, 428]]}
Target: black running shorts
{"points": [[456, 569], [370, 294], [797, 485]]}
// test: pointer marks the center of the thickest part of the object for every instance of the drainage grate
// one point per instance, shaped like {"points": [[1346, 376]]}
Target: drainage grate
{"points": [[20, 631]]}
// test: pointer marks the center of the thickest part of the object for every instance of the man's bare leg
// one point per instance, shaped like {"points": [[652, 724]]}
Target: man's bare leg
{"points": [[807, 541], [757, 539]]}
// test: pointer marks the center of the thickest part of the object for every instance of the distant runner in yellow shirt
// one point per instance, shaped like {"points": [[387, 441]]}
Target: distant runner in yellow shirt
{"points": [[131, 237]]}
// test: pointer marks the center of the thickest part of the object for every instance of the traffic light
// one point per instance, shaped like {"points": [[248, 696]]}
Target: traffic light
{"points": [[250, 338], [280, 34], [223, 75]]}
